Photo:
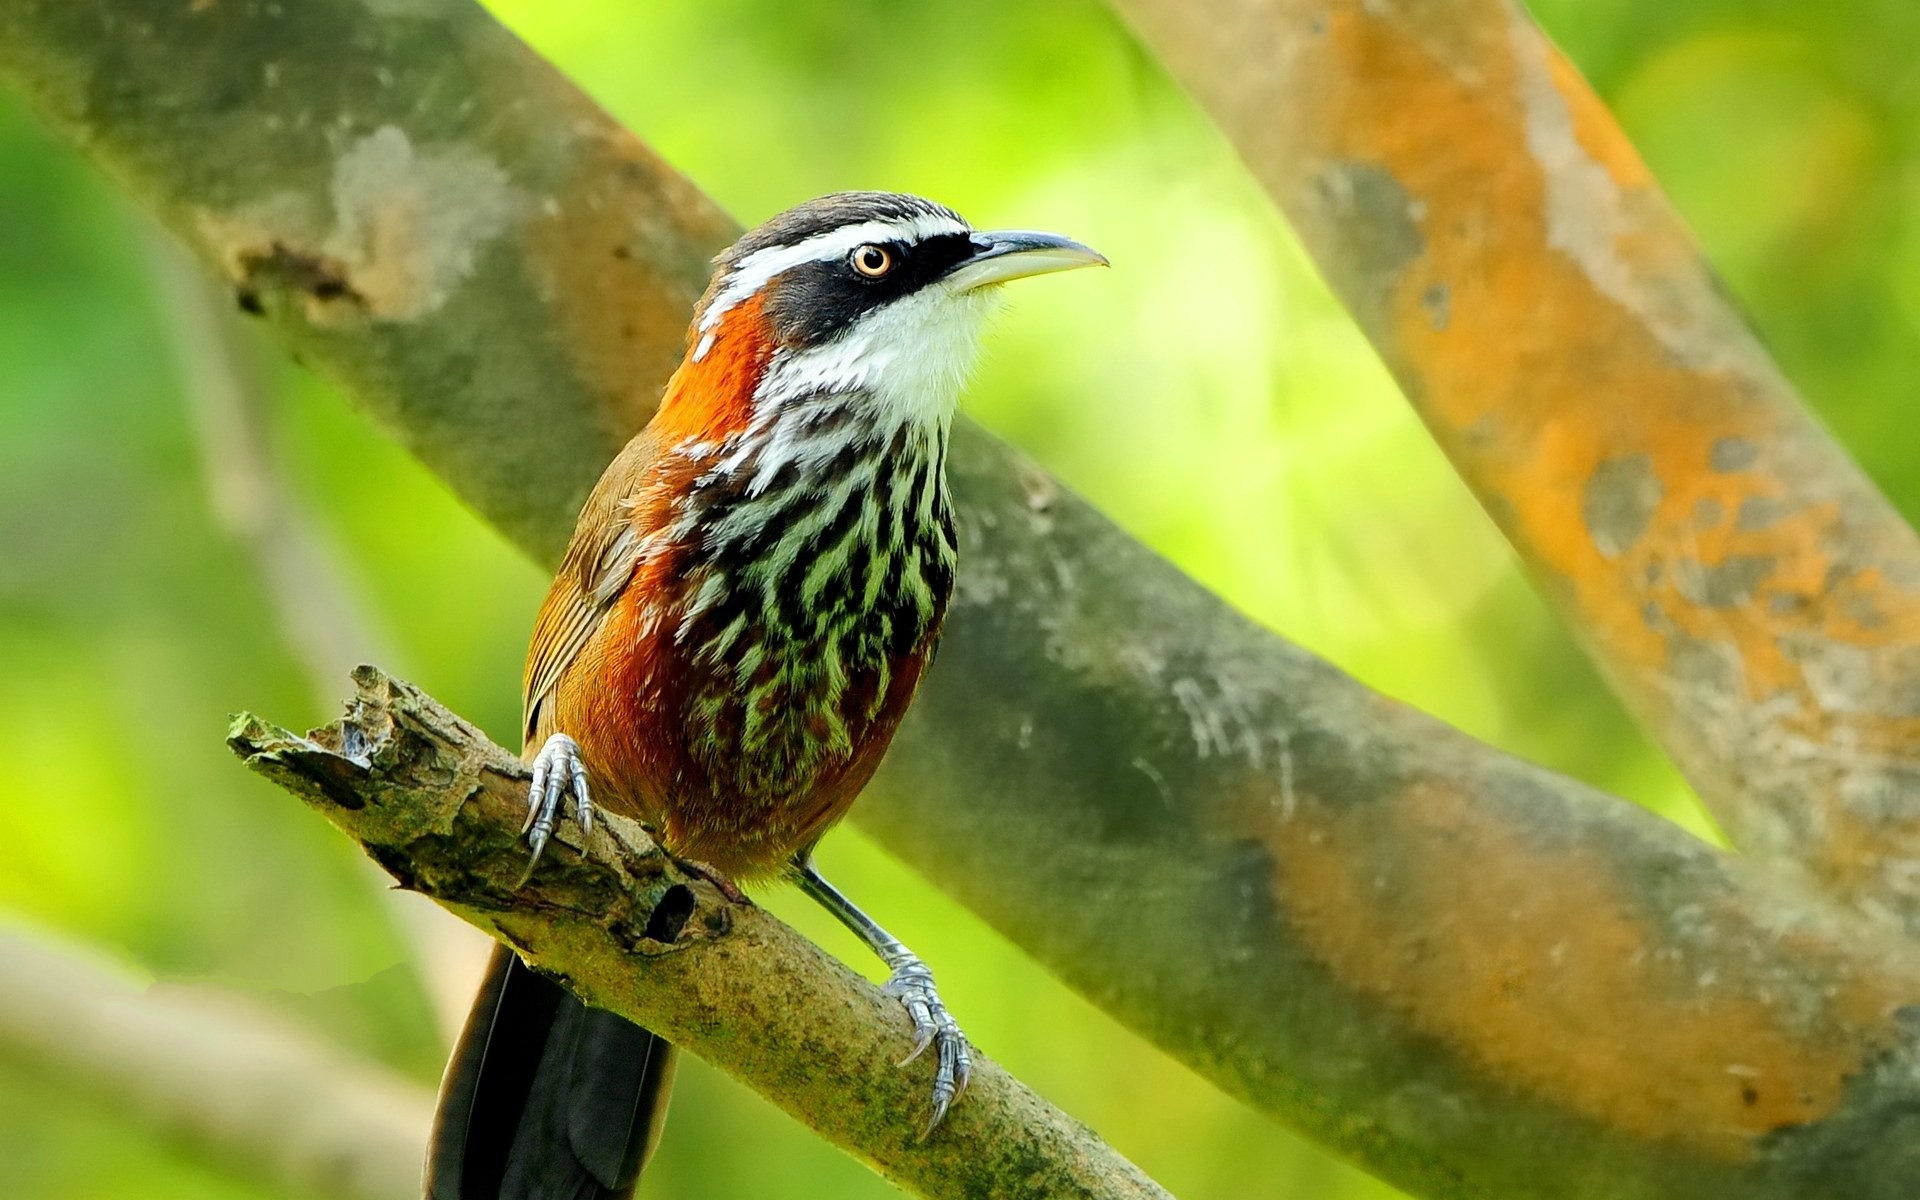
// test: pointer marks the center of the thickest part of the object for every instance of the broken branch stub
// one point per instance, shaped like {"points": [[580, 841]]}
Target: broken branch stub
{"points": [[440, 808]]}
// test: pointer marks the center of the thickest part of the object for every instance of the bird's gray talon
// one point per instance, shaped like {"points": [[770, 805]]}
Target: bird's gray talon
{"points": [[963, 1070], [534, 791], [582, 802], [557, 770], [920, 1043], [911, 983], [933, 1026]]}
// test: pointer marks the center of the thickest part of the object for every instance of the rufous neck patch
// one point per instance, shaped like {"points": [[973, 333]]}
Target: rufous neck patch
{"points": [[711, 394]]}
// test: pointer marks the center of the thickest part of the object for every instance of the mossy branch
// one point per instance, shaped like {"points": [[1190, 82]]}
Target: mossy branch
{"points": [[439, 806]]}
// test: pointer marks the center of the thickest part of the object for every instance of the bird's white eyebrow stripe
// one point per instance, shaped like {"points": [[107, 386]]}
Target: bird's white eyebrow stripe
{"points": [[751, 273]]}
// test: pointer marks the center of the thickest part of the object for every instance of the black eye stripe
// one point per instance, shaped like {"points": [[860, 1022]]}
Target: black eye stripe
{"points": [[918, 263], [811, 303]]}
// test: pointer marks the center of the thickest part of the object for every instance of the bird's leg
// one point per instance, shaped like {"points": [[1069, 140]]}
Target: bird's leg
{"points": [[911, 982], [557, 771]]}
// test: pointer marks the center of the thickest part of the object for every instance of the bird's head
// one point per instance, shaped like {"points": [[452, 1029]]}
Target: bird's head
{"points": [[874, 297]]}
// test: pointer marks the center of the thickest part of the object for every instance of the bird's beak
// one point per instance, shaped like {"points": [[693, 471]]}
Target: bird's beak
{"points": [[1015, 254]]}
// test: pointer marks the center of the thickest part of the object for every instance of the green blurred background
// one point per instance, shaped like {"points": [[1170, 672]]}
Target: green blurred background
{"points": [[1206, 393]]}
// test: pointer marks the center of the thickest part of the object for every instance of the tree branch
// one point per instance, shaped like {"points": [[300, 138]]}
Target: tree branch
{"points": [[439, 807], [212, 1070], [1473, 976], [1741, 583]]}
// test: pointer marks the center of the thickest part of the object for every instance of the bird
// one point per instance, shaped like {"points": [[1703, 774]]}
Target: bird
{"points": [[751, 596]]}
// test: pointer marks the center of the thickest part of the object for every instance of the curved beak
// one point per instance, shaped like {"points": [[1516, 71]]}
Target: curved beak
{"points": [[1007, 254]]}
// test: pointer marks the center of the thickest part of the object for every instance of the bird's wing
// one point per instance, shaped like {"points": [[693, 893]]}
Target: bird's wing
{"points": [[596, 568]]}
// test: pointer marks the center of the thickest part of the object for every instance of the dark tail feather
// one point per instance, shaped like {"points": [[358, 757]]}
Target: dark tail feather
{"points": [[545, 1098]]}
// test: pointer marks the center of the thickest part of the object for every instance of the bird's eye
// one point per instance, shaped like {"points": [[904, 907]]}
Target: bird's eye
{"points": [[872, 261]]}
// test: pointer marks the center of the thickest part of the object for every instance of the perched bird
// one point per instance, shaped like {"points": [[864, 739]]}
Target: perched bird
{"points": [[752, 593]]}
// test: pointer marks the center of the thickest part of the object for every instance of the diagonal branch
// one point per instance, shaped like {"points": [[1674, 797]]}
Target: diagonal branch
{"points": [[438, 806], [1745, 588]]}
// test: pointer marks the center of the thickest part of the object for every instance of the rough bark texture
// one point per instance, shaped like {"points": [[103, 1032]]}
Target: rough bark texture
{"points": [[1473, 976], [439, 806], [1744, 587]]}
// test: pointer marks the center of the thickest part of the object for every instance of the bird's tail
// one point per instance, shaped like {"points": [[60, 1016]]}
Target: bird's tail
{"points": [[546, 1098]]}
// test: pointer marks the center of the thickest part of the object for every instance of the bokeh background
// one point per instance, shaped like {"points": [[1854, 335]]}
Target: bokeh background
{"points": [[1207, 394]]}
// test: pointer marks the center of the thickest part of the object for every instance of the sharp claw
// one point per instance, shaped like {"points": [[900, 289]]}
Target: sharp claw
{"points": [[557, 769], [920, 1044], [534, 791], [963, 1070], [912, 984], [933, 1122], [582, 802]]}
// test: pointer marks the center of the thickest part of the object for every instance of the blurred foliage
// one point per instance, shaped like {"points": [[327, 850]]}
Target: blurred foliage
{"points": [[1207, 393]]}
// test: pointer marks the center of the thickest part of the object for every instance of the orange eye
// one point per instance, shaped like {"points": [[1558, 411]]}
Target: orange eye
{"points": [[872, 261]]}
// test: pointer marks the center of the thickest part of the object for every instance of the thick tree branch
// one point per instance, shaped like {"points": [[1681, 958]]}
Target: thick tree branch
{"points": [[439, 806], [252, 1094], [1743, 585], [1473, 976]]}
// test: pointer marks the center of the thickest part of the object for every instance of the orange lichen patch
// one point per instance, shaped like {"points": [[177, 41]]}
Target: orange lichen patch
{"points": [[1710, 544], [711, 395], [1540, 966], [620, 291]]}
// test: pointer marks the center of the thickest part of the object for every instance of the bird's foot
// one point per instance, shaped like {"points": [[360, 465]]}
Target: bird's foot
{"points": [[912, 984], [557, 773]]}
